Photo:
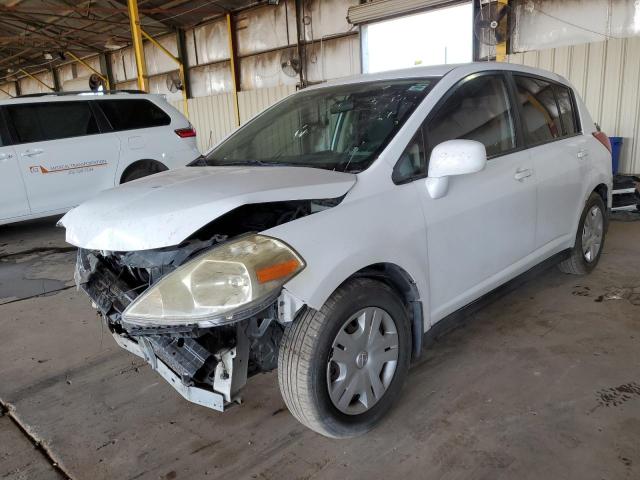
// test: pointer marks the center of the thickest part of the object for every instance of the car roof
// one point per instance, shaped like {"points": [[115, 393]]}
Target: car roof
{"points": [[65, 97], [438, 71]]}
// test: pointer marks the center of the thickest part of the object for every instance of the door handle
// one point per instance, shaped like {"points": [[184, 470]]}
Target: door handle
{"points": [[582, 154], [32, 153], [521, 174], [5, 156]]}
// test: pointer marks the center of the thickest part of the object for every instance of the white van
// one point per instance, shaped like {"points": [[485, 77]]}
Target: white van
{"points": [[58, 150]]}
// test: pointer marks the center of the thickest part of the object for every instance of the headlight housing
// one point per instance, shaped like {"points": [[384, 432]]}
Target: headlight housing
{"points": [[226, 284]]}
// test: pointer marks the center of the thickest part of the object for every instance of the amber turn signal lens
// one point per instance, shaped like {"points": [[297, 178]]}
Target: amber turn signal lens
{"points": [[279, 270]]}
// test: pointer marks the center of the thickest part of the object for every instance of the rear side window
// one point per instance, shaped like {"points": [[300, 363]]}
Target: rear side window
{"points": [[132, 114], [51, 121], [567, 112], [540, 114], [478, 109]]}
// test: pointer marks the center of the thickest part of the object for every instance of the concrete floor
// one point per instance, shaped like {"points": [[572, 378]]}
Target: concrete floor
{"points": [[542, 383]]}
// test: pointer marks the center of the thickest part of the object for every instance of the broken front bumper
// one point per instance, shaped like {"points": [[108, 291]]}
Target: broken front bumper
{"points": [[194, 394], [206, 366]]}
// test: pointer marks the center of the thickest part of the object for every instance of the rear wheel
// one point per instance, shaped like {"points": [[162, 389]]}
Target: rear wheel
{"points": [[141, 170], [340, 368], [589, 238]]}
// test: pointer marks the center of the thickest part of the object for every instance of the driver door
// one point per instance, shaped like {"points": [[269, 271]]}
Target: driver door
{"points": [[479, 232]]}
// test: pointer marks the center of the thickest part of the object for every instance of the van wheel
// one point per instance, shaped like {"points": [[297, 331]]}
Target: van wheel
{"points": [[141, 170], [589, 238], [341, 368]]}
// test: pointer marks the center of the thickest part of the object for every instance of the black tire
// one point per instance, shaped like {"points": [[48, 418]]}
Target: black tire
{"points": [[305, 352], [577, 264], [143, 170]]}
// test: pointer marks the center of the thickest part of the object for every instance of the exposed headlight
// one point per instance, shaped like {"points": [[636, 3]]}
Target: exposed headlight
{"points": [[223, 285]]}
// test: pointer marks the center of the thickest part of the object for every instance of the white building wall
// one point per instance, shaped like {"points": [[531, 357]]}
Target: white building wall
{"points": [[607, 76]]}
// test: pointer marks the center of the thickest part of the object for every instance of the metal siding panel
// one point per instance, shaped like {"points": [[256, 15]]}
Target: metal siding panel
{"points": [[613, 65], [594, 73], [531, 59], [517, 58], [628, 120], [546, 59], [562, 61], [578, 68]]}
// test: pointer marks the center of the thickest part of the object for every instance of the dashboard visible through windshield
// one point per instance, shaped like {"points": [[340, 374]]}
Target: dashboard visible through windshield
{"points": [[341, 128]]}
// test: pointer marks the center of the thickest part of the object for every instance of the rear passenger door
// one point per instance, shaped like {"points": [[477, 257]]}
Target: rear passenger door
{"points": [[13, 197], [558, 152], [62, 156]]}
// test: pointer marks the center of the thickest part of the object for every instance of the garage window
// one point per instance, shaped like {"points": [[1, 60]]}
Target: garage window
{"points": [[132, 114], [51, 121], [434, 37]]}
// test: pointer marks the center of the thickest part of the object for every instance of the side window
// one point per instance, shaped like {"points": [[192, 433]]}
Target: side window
{"points": [[132, 114], [51, 121], [478, 109], [412, 162], [540, 115], [567, 113]]}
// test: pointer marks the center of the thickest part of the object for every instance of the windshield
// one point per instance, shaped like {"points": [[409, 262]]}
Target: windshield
{"points": [[340, 128]]}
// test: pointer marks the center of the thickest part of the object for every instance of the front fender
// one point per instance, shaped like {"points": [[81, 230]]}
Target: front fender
{"points": [[387, 227]]}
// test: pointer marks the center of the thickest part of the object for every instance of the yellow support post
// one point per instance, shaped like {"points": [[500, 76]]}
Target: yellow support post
{"points": [[234, 75], [79, 60], [138, 48], [501, 48], [180, 68], [37, 79]]}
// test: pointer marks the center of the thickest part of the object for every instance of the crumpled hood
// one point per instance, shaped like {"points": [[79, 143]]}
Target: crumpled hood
{"points": [[164, 209]]}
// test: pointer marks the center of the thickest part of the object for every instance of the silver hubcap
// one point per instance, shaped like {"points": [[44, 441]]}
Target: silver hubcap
{"points": [[592, 234], [362, 361]]}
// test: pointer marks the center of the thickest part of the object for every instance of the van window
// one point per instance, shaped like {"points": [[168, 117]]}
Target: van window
{"points": [[131, 114], [38, 122], [479, 109], [540, 115], [567, 114]]}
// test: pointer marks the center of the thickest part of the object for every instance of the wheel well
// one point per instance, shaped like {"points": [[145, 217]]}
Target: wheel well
{"points": [[402, 283], [603, 191], [147, 164]]}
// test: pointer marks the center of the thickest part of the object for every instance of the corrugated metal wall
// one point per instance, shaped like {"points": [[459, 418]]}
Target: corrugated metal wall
{"points": [[607, 75], [214, 116]]}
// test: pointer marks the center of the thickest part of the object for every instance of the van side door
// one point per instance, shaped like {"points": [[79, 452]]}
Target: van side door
{"points": [[13, 196], [62, 154]]}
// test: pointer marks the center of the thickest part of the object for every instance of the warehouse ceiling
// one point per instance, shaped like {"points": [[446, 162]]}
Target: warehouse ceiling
{"points": [[34, 34]]}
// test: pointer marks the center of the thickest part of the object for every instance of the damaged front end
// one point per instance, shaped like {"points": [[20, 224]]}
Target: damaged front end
{"points": [[203, 314]]}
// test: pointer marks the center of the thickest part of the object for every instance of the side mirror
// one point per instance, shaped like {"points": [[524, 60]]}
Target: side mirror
{"points": [[453, 157]]}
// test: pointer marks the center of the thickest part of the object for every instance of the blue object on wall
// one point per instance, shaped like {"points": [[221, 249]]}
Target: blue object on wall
{"points": [[616, 146]]}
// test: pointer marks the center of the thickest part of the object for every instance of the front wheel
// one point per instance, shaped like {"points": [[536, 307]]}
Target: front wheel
{"points": [[589, 238], [341, 367]]}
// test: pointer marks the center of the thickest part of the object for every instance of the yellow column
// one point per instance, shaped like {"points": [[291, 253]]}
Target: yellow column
{"points": [[103, 77], [180, 69], [501, 48], [138, 48]]}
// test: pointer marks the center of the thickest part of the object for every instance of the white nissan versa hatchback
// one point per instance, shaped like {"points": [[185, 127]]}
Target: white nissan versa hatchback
{"points": [[59, 149], [327, 235]]}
